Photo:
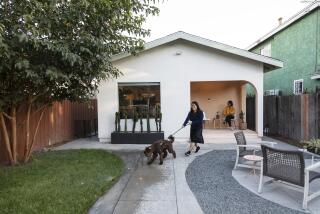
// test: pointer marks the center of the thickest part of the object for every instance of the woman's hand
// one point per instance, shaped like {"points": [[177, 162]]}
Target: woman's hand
{"points": [[189, 123]]}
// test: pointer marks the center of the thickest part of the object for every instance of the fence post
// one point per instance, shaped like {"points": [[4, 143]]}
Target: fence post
{"points": [[304, 117], [317, 114]]}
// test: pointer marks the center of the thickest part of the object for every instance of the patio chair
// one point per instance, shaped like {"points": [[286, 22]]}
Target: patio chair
{"points": [[233, 123], [288, 167], [225, 125], [244, 149]]}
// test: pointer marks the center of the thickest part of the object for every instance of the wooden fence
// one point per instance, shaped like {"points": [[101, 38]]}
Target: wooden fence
{"points": [[61, 122], [295, 117]]}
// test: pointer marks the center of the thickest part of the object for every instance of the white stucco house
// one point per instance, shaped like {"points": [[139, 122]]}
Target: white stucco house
{"points": [[173, 71]]}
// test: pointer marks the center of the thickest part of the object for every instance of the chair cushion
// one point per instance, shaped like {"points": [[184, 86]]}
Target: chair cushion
{"points": [[249, 152], [313, 175]]}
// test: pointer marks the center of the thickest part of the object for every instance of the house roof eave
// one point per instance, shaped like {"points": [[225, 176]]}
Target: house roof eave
{"points": [[208, 43]]}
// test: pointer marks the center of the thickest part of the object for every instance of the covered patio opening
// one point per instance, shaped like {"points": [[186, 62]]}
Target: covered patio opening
{"points": [[212, 97]]}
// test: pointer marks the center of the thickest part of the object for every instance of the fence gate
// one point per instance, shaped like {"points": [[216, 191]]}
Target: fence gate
{"points": [[251, 113]]}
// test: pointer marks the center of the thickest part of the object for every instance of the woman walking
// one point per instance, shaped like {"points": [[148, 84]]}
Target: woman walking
{"points": [[195, 118]]}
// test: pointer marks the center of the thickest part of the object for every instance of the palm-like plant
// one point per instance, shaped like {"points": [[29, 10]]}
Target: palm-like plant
{"points": [[312, 145], [135, 118]]}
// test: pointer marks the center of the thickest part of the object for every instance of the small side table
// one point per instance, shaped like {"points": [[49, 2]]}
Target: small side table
{"points": [[215, 121], [255, 159], [206, 123]]}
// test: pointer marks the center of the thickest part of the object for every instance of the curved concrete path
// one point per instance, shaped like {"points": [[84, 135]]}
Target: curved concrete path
{"points": [[147, 188]]}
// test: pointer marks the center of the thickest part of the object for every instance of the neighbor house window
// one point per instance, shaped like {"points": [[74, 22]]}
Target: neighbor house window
{"points": [[141, 98], [266, 50], [272, 92], [298, 86]]}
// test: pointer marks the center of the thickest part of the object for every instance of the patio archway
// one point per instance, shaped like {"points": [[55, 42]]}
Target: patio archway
{"points": [[213, 97]]}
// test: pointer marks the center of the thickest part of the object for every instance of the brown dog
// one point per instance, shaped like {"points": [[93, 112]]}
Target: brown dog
{"points": [[160, 147]]}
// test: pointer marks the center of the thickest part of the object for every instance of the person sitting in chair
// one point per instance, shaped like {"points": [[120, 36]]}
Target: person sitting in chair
{"points": [[229, 112]]}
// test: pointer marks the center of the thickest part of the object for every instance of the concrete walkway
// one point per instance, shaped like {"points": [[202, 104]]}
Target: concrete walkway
{"points": [[148, 188]]}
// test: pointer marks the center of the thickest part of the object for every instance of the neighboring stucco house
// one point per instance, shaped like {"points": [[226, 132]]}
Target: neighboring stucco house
{"points": [[174, 70], [296, 42]]}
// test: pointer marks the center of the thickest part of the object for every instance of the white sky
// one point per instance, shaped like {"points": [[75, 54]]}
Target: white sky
{"points": [[234, 22]]}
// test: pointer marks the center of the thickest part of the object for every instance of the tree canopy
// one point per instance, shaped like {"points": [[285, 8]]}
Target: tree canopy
{"points": [[51, 50]]}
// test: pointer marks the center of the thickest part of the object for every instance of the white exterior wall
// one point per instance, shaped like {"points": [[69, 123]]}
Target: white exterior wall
{"points": [[175, 72]]}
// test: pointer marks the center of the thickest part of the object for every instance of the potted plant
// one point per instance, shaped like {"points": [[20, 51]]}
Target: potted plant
{"points": [[117, 122], [312, 145], [143, 136], [148, 122], [218, 115], [134, 120], [141, 121], [158, 118], [125, 121], [242, 123]]}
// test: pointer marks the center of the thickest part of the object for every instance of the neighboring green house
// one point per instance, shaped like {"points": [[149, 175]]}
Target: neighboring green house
{"points": [[297, 43]]}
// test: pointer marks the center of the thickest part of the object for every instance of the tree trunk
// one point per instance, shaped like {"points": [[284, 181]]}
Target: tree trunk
{"points": [[13, 122], [26, 148], [5, 137], [27, 157]]}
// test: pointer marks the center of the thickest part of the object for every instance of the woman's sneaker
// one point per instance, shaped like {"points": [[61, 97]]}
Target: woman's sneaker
{"points": [[197, 149], [187, 153]]}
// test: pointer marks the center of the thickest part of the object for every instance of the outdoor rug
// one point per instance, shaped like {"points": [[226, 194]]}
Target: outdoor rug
{"points": [[210, 178]]}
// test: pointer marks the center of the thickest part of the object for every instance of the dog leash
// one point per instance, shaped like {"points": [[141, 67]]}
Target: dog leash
{"points": [[179, 129]]}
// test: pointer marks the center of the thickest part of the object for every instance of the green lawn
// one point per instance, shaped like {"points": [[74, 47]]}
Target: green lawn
{"points": [[58, 182]]}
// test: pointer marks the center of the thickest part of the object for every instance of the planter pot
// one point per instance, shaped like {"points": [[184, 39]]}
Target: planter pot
{"points": [[242, 125], [313, 150], [135, 138]]}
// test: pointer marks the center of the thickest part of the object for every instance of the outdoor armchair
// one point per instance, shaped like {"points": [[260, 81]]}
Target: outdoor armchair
{"points": [[289, 167], [247, 149]]}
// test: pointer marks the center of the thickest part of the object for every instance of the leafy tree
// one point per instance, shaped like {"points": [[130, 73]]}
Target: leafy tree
{"points": [[51, 50]]}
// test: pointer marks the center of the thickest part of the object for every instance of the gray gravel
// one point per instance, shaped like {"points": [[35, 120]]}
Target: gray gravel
{"points": [[210, 179]]}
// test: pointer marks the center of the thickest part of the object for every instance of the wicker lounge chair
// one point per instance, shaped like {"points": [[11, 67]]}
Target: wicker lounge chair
{"points": [[289, 167]]}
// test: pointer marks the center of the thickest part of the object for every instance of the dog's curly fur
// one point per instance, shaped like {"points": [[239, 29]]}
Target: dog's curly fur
{"points": [[161, 148]]}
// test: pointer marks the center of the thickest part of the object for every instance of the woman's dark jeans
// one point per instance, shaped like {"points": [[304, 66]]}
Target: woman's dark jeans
{"points": [[229, 118]]}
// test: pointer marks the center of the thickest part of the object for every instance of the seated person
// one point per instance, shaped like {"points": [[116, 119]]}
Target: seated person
{"points": [[229, 112]]}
